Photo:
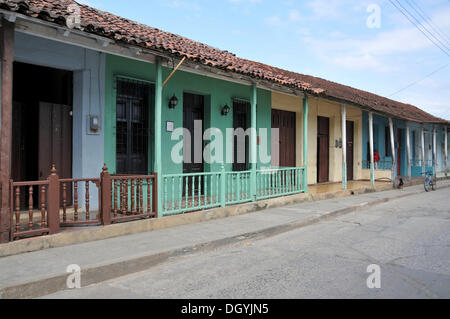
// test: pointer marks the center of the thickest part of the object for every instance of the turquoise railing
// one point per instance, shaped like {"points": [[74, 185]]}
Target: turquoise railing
{"points": [[190, 192], [237, 187], [279, 182], [183, 193]]}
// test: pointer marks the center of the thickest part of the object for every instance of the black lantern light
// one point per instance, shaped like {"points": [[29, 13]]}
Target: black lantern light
{"points": [[173, 102], [225, 110]]}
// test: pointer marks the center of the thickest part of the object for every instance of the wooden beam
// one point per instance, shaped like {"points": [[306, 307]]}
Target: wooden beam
{"points": [[7, 59], [173, 72]]}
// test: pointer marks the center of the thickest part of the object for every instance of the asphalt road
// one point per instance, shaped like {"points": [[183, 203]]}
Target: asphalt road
{"points": [[408, 238]]}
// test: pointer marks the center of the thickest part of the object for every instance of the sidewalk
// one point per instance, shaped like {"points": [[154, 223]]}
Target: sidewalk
{"points": [[43, 272]]}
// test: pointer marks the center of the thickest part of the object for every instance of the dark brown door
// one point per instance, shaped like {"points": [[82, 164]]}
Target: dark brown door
{"points": [[55, 140], [350, 150], [193, 162], [240, 121], [286, 123], [18, 169], [323, 151]]}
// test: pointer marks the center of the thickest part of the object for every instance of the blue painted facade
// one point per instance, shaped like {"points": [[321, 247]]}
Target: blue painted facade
{"points": [[382, 144], [88, 69]]}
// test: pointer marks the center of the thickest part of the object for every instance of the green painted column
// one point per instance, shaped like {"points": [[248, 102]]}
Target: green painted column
{"points": [[253, 143], [158, 130], [305, 143]]}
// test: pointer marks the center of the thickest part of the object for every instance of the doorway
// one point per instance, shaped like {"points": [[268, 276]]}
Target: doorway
{"points": [[42, 122], [240, 121], [193, 110], [132, 108], [323, 150], [286, 123], [350, 128], [399, 152]]}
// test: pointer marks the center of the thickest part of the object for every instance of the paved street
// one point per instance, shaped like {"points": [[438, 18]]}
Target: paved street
{"points": [[408, 238]]}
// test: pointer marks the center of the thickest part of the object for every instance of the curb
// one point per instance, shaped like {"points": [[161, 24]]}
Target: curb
{"points": [[98, 274], [140, 226]]}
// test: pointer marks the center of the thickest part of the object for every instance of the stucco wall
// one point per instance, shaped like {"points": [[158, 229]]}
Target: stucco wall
{"points": [[88, 97], [322, 107], [294, 104], [217, 93]]}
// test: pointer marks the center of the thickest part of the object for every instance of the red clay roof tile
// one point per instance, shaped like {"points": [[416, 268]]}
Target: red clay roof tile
{"points": [[133, 33]]}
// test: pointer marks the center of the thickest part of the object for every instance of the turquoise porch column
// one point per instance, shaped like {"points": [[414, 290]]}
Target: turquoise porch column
{"points": [[253, 142], [305, 143], [372, 165], [158, 129]]}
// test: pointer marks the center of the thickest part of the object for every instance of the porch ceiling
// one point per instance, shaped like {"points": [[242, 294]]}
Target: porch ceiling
{"points": [[127, 32]]}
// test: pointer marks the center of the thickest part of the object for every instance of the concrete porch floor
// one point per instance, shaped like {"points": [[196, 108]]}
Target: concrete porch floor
{"points": [[336, 187]]}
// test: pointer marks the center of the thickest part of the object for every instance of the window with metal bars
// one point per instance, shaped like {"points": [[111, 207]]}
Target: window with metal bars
{"points": [[132, 117]]}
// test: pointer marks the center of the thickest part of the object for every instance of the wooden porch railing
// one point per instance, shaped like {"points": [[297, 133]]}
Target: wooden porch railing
{"points": [[42, 207]]}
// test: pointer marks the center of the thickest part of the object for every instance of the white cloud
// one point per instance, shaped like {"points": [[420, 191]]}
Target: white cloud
{"points": [[294, 15], [274, 21]]}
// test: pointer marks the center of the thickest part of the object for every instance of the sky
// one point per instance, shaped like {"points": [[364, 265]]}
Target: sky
{"points": [[369, 45]]}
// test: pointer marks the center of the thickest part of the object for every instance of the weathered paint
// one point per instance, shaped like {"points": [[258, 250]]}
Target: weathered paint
{"points": [[321, 107], [293, 104], [332, 110], [380, 124], [305, 143], [344, 145], [88, 96], [217, 94]]}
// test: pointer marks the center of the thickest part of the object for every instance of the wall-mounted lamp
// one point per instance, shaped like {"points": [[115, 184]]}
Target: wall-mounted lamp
{"points": [[225, 110], [173, 102], [94, 124]]}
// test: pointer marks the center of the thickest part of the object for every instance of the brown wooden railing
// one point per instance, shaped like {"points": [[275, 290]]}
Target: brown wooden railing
{"points": [[42, 207], [36, 218], [73, 213], [133, 197]]}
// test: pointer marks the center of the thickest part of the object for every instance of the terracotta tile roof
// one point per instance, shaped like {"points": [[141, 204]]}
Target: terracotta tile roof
{"points": [[128, 32]]}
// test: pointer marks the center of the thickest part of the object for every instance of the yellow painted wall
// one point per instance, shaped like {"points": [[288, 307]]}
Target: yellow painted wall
{"points": [[290, 103], [332, 110], [379, 174]]}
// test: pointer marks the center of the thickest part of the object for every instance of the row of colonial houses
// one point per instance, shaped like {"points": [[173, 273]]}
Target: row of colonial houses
{"points": [[108, 95]]}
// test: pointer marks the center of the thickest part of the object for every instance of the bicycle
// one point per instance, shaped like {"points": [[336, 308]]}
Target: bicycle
{"points": [[430, 182]]}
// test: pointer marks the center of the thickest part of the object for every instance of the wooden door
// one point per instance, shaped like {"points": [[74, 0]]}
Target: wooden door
{"points": [[350, 149], [55, 140], [323, 151], [193, 163], [240, 121], [286, 123], [19, 149]]}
